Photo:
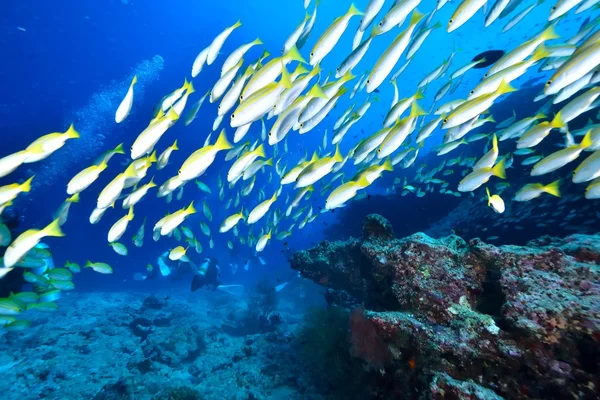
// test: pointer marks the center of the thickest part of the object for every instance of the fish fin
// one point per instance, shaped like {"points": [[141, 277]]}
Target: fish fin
{"points": [[337, 157], [71, 132], [416, 17], [587, 140], [416, 110], [557, 121], [260, 151], [190, 209], [362, 182], [152, 157], [74, 198], [387, 165], [222, 143], [285, 77], [549, 33], [317, 91], [499, 169], [53, 229], [119, 149], [553, 188], [505, 87], [26, 186], [540, 53], [294, 55], [354, 11]]}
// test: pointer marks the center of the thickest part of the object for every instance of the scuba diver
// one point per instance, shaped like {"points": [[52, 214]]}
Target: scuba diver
{"points": [[208, 273]]}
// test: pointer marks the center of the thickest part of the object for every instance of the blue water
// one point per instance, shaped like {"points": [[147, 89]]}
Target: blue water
{"points": [[72, 61]]}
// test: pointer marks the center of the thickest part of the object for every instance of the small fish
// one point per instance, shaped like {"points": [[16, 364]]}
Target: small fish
{"points": [[495, 202], [534, 190], [99, 267], [119, 248], [125, 107]]}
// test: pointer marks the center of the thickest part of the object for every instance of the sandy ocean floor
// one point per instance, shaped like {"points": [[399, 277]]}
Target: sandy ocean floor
{"points": [[174, 346]]}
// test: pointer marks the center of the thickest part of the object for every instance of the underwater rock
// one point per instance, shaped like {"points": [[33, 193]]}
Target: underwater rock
{"points": [[377, 227], [119, 390], [446, 313]]}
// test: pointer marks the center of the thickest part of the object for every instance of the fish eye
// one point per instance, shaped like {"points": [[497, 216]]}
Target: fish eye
{"points": [[548, 83], [445, 120], [368, 81], [472, 91], [450, 21], [553, 8], [179, 172], [381, 24], [218, 108], [242, 97], [232, 116], [270, 134], [312, 54], [301, 125], [275, 106]]}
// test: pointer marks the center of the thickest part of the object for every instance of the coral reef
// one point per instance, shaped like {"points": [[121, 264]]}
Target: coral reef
{"points": [[444, 318], [124, 345]]}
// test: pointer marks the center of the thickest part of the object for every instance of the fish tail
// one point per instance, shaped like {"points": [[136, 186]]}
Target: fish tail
{"points": [[134, 80], [260, 151], [26, 186], [557, 121], [317, 91], [549, 34], [495, 143], [71, 133], [53, 229], [74, 198], [174, 146], [257, 41], [387, 165], [587, 140], [540, 52], [286, 81], [119, 149], [416, 110], [354, 11], [499, 169], [190, 209], [416, 17], [294, 55], [553, 188], [130, 214], [338, 155], [222, 143], [505, 87]]}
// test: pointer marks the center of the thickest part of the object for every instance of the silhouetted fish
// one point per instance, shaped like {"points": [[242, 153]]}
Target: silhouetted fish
{"points": [[491, 56]]}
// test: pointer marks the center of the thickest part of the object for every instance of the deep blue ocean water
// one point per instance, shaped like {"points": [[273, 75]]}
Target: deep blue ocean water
{"points": [[72, 61]]}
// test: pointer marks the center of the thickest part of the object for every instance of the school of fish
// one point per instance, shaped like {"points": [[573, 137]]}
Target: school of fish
{"points": [[266, 94]]}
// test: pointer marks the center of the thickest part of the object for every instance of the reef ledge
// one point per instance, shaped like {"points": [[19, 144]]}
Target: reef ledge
{"points": [[443, 318]]}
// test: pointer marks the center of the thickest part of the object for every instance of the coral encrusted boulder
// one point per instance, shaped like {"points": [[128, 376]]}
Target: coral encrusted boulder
{"points": [[468, 320]]}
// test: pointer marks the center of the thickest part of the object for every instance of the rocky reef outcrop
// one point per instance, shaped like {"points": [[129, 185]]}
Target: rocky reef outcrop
{"points": [[443, 318]]}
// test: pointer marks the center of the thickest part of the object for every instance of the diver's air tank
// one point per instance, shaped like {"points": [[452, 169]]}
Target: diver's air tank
{"points": [[204, 267]]}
